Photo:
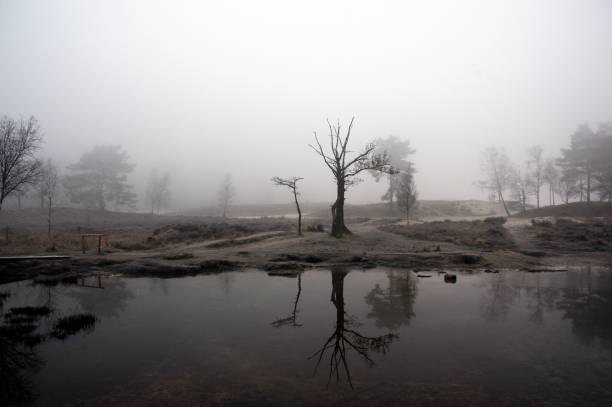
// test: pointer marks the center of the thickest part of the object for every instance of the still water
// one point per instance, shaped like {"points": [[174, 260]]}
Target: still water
{"points": [[342, 337]]}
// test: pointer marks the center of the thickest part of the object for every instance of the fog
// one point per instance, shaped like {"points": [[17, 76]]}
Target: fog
{"points": [[201, 89]]}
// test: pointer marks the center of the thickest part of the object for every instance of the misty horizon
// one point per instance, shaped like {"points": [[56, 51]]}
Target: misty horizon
{"points": [[202, 90]]}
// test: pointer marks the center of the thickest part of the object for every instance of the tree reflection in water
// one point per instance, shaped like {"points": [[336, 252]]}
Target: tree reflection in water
{"points": [[393, 307], [500, 296], [540, 298], [345, 337], [291, 320], [587, 303]]}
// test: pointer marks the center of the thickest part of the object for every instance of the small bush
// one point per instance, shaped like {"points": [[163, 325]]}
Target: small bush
{"points": [[495, 220]]}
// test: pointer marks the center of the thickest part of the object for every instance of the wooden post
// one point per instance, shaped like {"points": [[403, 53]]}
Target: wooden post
{"points": [[83, 243], [99, 243]]}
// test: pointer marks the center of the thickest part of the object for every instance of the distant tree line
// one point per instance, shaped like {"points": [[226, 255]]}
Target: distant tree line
{"points": [[582, 172], [99, 179]]}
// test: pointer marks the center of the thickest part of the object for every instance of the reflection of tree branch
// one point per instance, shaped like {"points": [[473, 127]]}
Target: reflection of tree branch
{"points": [[343, 336], [501, 296], [291, 319]]}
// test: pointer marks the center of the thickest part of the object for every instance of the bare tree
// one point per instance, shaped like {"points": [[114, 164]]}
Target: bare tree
{"points": [[498, 173], [49, 181], [406, 192], [21, 193], [19, 141], [535, 170], [226, 195], [550, 176], [292, 184], [158, 191], [520, 182], [345, 169]]}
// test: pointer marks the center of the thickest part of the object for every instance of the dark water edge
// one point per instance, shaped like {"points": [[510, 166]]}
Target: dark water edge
{"points": [[325, 337]]}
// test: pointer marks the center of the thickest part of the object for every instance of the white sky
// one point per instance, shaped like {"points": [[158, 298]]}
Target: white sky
{"points": [[204, 88]]}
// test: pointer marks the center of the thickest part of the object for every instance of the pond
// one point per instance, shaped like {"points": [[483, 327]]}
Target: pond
{"points": [[342, 336]]}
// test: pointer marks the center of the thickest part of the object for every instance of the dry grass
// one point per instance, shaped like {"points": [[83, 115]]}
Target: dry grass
{"points": [[483, 234], [588, 236]]}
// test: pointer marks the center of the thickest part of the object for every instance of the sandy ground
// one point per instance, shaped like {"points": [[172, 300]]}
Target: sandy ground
{"points": [[274, 246], [285, 252]]}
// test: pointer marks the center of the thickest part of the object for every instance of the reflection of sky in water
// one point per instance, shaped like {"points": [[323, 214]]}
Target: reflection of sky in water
{"points": [[521, 336]]}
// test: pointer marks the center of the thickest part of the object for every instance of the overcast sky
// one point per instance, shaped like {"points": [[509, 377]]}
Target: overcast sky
{"points": [[204, 88]]}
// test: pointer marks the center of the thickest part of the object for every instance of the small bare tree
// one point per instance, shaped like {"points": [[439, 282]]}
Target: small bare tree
{"points": [[21, 193], [498, 174], [550, 175], [535, 170], [291, 183], [49, 181], [158, 191], [406, 192], [19, 140], [345, 169], [520, 182], [226, 195]]}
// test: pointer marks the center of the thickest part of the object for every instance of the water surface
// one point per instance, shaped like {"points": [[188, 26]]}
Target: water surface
{"points": [[352, 337]]}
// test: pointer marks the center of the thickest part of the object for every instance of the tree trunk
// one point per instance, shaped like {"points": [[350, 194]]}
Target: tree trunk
{"points": [[407, 215], [49, 221], [339, 229], [337, 297], [501, 198], [297, 205], [588, 191]]}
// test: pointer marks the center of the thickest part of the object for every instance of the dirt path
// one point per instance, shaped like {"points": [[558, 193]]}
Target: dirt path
{"points": [[517, 229]]}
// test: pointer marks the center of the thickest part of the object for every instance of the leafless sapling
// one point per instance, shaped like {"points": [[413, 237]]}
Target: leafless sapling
{"points": [[158, 191], [226, 195], [498, 174], [550, 175], [535, 171], [49, 181], [291, 183]]}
